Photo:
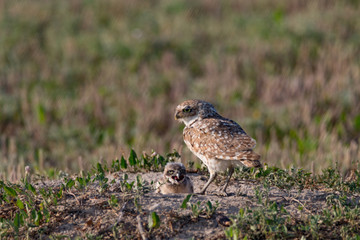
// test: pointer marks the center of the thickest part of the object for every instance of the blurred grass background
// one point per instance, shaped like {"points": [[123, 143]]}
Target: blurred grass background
{"points": [[85, 80]]}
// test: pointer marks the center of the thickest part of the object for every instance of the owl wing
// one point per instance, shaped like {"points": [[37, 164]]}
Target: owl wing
{"points": [[222, 139]]}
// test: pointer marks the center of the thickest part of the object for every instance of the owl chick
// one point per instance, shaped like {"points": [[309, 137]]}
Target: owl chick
{"points": [[175, 180], [220, 143]]}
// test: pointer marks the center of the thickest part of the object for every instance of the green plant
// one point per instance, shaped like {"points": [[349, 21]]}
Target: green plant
{"points": [[33, 207], [100, 177], [195, 209], [210, 208], [233, 232], [141, 185], [113, 201], [83, 180], [125, 186], [153, 162], [153, 221], [199, 208]]}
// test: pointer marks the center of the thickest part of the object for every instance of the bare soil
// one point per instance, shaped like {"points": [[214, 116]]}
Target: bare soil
{"points": [[88, 212]]}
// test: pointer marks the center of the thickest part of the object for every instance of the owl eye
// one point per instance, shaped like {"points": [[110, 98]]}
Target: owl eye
{"points": [[170, 172], [187, 110]]}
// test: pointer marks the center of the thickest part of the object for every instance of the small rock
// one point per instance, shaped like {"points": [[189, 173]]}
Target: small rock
{"points": [[223, 220]]}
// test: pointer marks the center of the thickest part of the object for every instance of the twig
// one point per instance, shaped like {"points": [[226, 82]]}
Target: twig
{"points": [[121, 213], [120, 216], [298, 201], [141, 229], [72, 194]]}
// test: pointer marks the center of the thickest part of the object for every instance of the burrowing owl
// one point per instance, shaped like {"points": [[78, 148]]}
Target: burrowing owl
{"points": [[175, 180], [219, 142]]}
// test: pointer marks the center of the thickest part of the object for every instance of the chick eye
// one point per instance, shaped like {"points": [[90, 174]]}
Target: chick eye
{"points": [[187, 110]]}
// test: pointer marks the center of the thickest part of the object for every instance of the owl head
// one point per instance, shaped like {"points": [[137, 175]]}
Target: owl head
{"points": [[191, 110], [175, 173]]}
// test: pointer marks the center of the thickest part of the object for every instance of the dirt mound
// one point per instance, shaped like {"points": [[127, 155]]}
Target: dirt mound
{"points": [[120, 208]]}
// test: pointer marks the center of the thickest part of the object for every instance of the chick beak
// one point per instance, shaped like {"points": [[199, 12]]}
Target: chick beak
{"points": [[176, 177]]}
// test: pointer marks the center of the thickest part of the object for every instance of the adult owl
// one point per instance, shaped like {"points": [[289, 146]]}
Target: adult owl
{"points": [[220, 143], [174, 180]]}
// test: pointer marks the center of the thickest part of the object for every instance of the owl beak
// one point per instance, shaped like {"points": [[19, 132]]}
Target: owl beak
{"points": [[177, 115]]}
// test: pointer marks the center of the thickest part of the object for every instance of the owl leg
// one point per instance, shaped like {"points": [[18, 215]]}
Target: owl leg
{"points": [[211, 179], [231, 171]]}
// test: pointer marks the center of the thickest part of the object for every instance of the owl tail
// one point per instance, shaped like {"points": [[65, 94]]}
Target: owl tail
{"points": [[251, 159]]}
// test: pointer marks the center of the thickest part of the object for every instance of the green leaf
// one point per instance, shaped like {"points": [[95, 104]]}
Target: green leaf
{"points": [[18, 221], [80, 180], [123, 163], [278, 15], [153, 221], [55, 201], [38, 217], [155, 161], [229, 233], [129, 186], [241, 212], [30, 188], [70, 183], [132, 158], [115, 165], [138, 180], [186, 200], [100, 168], [46, 213], [208, 203], [10, 191], [20, 204], [357, 123], [161, 160], [59, 194], [40, 111]]}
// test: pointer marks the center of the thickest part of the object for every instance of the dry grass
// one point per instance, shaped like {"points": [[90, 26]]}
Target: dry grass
{"points": [[87, 80]]}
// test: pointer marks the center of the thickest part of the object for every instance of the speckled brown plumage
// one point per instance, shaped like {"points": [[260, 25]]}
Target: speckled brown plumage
{"points": [[219, 142]]}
